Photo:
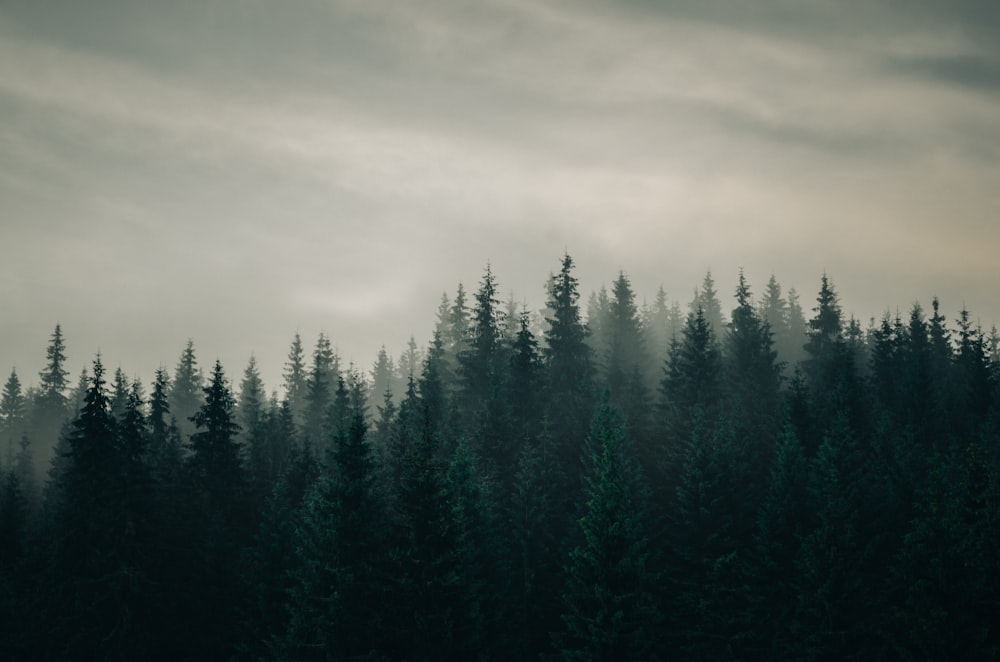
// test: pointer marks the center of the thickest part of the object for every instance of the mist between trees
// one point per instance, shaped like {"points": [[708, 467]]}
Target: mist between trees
{"points": [[599, 480]]}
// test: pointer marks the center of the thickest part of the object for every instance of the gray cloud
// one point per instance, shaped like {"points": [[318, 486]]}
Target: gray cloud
{"points": [[234, 171]]}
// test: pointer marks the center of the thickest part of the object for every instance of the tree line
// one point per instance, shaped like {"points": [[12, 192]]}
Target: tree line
{"points": [[608, 480]]}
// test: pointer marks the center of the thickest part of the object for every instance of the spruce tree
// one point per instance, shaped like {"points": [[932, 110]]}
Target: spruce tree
{"points": [[339, 589], [13, 408], [609, 610], [569, 371], [51, 409], [186, 390], [295, 381], [220, 521]]}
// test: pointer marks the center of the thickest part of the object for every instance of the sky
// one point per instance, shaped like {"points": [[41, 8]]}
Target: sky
{"points": [[236, 171]]}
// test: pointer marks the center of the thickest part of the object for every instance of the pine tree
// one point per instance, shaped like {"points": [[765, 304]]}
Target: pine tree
{"points": [[609, 612], [96, 584], [295, 381], [50, 409], [53, 385], [825, 328], [659, 327], [339, 596], [320, 388], [221, 523], [252, 399], [186, 390], [526, 378], [754, 376], [707, 298], [382, 375], [13, 408], [215, 452], [569, 370]]}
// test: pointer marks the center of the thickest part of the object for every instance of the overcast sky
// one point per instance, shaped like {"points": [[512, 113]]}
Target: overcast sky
{"points": [[235, 171]]}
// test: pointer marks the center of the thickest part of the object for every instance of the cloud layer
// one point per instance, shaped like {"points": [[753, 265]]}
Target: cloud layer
{"points": [[236, 171]]}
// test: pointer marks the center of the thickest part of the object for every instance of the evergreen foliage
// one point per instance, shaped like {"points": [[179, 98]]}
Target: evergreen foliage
{"points": [[795, 489]]}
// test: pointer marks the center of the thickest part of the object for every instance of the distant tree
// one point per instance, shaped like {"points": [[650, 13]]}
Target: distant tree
{"points": [[50, 409], [477, 364], [826, 326], [409, 364], [320, 387], [660, 323], [252, 399], [296, 381], [753, 376], [13, 409], [599, 329], [627, 361], [186, 390], [526, 378], [382, 375], [120, 388], [707, 298], [791, 348]]}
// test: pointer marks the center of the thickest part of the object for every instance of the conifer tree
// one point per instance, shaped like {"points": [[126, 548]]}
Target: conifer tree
{"points": [[609, 611], [339, 593], [295, 381], [13, 408], [754, 376], [321, 383], [569, 370], [186, 390], [707, 298], [96, 581], [627, 360], [51, 408], [220, 522]]}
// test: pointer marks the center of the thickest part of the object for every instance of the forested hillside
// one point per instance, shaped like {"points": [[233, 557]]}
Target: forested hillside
{"points": [[605, 479]]}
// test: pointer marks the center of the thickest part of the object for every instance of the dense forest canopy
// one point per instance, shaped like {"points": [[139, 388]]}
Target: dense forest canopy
{"points": [[753, 474]]}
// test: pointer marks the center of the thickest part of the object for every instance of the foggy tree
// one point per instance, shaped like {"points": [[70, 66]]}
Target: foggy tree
{"points": [[50, 406], [660, 323], [626, 360], [252, 399], [599, 329], [707, 298], [186, 390], [569, 368], [409, 364], [13, 408], [321, 383], [295, 381], [119, 393], [753, 376], [382, 374]]}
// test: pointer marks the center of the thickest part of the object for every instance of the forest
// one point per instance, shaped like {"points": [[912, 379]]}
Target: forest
{"points": [[604, 479]]}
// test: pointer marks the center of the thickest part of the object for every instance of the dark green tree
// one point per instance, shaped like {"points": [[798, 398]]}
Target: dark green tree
{"points": [[339, 593], [220, 521], [609, 609]]}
